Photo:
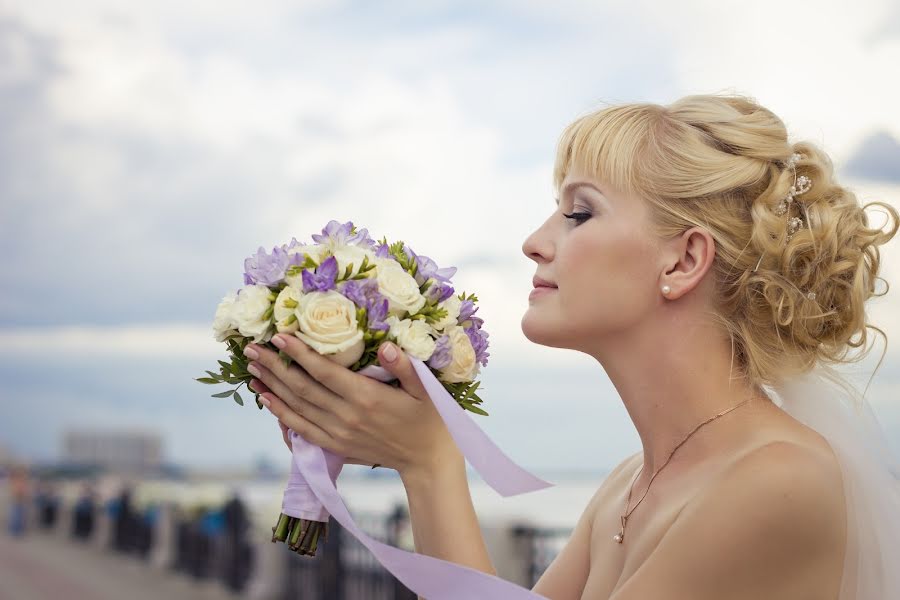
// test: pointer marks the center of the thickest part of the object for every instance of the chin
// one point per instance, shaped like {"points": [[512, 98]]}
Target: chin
{"points": [[541, 332]]}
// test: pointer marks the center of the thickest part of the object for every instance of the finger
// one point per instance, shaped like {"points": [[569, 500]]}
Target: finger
{"points": [[333, 376], [294, 378], [258, 386], [395, 360], [323, 417], [286, 435], [309, 430]]}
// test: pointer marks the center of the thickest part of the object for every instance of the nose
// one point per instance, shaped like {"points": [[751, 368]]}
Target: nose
{"points": [[539, 245]]}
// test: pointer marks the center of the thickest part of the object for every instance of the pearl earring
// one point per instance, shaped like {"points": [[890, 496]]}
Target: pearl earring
{"points": [[665, 290]]}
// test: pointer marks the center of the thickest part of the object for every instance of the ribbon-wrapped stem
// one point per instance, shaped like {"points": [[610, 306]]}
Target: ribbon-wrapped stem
{"points": [[303, 521], [301, 535]]}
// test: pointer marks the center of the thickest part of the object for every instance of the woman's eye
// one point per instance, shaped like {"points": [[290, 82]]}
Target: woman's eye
{"points": [[578, 217]]}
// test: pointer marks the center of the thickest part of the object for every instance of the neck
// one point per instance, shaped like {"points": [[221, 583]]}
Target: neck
{"points": [[681, 377]]}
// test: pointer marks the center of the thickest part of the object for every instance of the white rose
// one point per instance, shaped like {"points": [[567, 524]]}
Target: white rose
{"points": [[452, 304], [399, 287], [224, 323], [313, 251], [251, 311], [328, 325], [286, 303], [463, 366], [414, 336], [350, 254]]}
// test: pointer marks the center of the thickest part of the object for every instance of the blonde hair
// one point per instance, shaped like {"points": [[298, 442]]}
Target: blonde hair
{"points": [[721, 162]]}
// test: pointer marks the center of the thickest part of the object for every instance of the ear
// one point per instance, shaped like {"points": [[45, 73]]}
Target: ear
{"points": [[688, 258]]}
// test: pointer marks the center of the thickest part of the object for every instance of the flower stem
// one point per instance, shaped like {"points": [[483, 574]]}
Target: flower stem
{"points": [[279, 532], [301, 535]]}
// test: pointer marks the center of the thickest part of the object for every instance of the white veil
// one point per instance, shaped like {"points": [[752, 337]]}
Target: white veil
{"points": [[826, 402]]}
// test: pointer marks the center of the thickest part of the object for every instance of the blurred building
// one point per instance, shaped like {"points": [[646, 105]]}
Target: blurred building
{"points": [[116, 450]]}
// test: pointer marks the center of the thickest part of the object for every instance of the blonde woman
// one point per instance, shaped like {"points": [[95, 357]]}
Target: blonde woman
{"points": [[714, 269]]}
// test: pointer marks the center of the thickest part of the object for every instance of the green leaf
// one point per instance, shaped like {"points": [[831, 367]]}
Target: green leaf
{"points": [[476, 410], [213, 375], [237, 398], [226, 366], [207, 380], [223, 394]]}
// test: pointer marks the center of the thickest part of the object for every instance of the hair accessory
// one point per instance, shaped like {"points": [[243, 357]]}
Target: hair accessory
{"points": [[801, 185]]}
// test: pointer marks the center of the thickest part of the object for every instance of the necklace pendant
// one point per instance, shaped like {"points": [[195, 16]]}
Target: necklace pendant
{"points": [[620, 537]]}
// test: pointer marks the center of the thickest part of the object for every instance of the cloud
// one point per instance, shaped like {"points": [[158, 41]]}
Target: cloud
{"points": [[147, 150], [877, 158]]}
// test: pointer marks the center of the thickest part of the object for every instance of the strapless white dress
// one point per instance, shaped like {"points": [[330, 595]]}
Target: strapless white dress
{"points": [[826, 402]]}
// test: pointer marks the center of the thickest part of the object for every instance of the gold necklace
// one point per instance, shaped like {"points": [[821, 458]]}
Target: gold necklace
{"points": [[620, 537]]}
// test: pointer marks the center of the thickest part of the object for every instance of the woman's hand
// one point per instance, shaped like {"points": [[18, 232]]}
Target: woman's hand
{"points": [[364, 420]]}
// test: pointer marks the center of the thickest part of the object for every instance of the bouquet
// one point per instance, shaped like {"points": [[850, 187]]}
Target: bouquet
{"points": [[344, 295]]}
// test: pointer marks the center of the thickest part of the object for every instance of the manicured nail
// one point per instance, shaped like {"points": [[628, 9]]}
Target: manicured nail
{"points": [[266, 402], [251, 353], [251, 368], [278, 341], [390, 352]]}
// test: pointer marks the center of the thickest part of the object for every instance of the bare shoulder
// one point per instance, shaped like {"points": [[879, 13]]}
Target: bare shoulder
{"points": [[614, 482], [565, 578], [797, 484], [771, 524]]}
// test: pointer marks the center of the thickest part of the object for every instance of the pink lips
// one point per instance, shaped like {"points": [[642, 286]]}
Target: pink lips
{"points": [[540, 291], [538, 282], [541, 286]]}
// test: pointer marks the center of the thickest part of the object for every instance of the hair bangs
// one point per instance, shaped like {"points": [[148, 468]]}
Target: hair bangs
{"points": [[608, 146]]}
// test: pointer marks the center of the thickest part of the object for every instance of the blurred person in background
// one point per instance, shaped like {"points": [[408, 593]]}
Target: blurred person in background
{"points": [[83, 513], [237, 552], [19, 486], [46, 502]]}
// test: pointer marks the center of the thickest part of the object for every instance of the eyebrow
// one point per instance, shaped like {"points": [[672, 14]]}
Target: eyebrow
{"points": [[577, 184]]}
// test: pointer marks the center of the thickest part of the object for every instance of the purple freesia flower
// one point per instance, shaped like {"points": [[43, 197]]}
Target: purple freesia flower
{"points": [[479, 337], [323, 278], [294, 244], [428, 268], [442, 354], [438, 292], [266, 269], [359, 290], [384, 251], [378, 312], [364, 294], [342, 233], [466, 309]]}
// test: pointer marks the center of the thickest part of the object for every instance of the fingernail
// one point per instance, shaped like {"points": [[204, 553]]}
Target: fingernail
{"points": [[278, 341], [251, 368], [266, 402], [251, 353], [390, 352]]}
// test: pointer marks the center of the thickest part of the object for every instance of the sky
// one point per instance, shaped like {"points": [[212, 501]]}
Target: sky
{"points": [[148, 148]]}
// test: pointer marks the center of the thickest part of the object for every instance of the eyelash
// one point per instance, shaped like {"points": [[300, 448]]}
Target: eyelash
{"points": [[579, 217]]}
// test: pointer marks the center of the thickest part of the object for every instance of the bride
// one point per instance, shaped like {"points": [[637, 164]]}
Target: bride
{"points": [[716, 271]]}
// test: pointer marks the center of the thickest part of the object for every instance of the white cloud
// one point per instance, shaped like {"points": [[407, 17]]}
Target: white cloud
{"points": [[164, 141]]}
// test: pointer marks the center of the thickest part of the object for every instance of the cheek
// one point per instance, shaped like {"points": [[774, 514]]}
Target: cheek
{"points": [[605, 279]]}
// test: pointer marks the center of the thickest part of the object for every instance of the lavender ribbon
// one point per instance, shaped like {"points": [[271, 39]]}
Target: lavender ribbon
{"points": [[312, 491]]}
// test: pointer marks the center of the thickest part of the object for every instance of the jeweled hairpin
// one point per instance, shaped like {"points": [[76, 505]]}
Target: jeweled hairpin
{"points": [[800, 186]]}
